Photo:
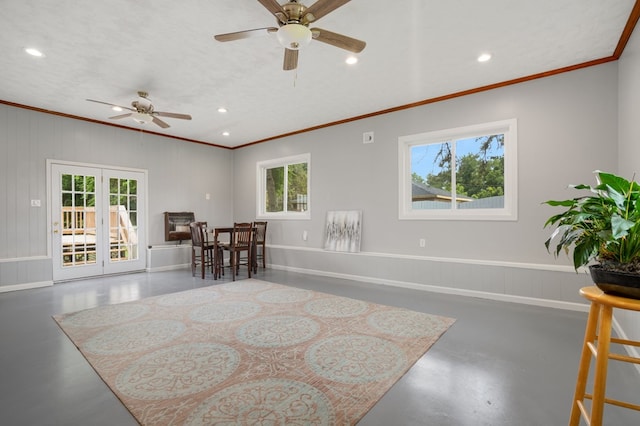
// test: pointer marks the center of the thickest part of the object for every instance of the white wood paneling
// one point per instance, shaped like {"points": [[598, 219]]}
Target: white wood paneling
{"points": [[180, 173], [508, 282], [4, 183]]}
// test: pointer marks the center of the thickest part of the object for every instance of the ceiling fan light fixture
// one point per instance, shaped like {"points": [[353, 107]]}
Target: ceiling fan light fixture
{"points": [[141, 118], [293, 36]]}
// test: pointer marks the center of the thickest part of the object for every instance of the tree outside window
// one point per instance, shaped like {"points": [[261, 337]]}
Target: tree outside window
{"points": [[283, 189], [464, 173]]}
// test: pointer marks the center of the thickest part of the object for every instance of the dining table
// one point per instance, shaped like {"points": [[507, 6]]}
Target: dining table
{"points": [[226, 232]]}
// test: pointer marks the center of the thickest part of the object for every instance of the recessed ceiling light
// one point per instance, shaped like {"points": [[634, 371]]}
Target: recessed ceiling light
{"points": [[222, 110], [352, 60], [34, 52], [225, 133], [484, 57], [116, 108]]}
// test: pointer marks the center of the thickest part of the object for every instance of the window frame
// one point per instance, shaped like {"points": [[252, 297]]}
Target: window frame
{"points": [[261, 187], [510, 210]]}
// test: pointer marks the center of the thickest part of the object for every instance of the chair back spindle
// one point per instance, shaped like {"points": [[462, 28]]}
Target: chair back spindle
{"points": [[260, 244], [202, 253], [241, 241]]}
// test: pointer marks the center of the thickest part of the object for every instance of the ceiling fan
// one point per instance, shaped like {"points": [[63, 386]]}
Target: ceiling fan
{"points": [[294, 33], [143, 111]]}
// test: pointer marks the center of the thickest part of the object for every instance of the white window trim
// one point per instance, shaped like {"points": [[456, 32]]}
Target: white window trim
{"points": [[510, 210], [261, 168]]}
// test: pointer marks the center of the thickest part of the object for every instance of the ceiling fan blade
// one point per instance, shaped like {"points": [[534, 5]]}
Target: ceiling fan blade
{"points": [[160, 123], [172, 115], [116, 117], [238, 35], [290, 60], [112, 105], [321, 8], [338, 40], [276, 9]]}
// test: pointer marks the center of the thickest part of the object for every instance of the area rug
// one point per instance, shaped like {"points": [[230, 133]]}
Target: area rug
{"points": [[251, 352]]}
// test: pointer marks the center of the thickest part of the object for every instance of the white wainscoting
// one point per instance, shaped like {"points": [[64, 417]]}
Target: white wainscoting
{"points": [[25, 273], [542, 285], [168, 257]]}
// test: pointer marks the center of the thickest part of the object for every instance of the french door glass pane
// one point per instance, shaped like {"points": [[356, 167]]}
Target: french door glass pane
{"points": [[123, 224], [78, 220]]}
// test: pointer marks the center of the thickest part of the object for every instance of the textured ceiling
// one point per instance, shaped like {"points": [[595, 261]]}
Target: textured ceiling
{"points": [[416, 50]]}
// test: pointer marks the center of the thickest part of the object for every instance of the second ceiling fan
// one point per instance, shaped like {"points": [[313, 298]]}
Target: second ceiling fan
{"points": [[142, 111], [294, 32]]}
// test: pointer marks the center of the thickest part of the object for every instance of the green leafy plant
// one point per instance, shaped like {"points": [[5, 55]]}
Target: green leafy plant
{"points": [[603, 226]]}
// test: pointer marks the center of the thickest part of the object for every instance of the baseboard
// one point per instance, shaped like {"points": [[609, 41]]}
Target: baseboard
{"points": [[168, 268], [446, 290], [25, 286]]}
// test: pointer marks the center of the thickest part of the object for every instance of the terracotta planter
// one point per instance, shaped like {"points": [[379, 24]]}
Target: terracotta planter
{"points": [[617, 283]]}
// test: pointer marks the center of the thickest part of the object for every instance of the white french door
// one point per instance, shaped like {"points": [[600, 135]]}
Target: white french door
{"points": [[97, 221]]}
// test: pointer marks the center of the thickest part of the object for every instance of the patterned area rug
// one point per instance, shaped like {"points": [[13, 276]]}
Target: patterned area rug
{"points": [[251, 352]]}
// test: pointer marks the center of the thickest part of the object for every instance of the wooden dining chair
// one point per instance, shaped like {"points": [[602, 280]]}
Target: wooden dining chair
{"points": [[241, 241], [260, 244], [202, 251]]}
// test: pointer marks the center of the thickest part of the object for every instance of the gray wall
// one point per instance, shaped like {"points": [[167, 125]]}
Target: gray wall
{"points": [[179, 176], [629, 146], [567, 127]]}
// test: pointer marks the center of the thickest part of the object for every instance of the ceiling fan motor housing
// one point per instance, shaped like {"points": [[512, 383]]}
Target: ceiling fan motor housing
{"points": [[143, 106], [293, 32], [295, 11]]}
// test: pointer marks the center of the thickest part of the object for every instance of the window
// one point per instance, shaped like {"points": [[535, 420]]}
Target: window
{"points": [[283, 188], [467, 173]]}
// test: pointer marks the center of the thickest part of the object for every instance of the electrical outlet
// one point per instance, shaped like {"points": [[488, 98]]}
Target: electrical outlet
{"points": [[422, 242], [35, 203]]}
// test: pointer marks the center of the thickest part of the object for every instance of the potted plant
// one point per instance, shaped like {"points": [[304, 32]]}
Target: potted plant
{"points": [[603, 229]]}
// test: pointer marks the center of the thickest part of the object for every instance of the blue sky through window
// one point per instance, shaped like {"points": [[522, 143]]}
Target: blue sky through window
{"points": [[423, 157]]}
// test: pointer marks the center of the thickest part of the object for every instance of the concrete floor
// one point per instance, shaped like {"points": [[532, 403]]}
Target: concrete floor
{"points": [[499, 364]]}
